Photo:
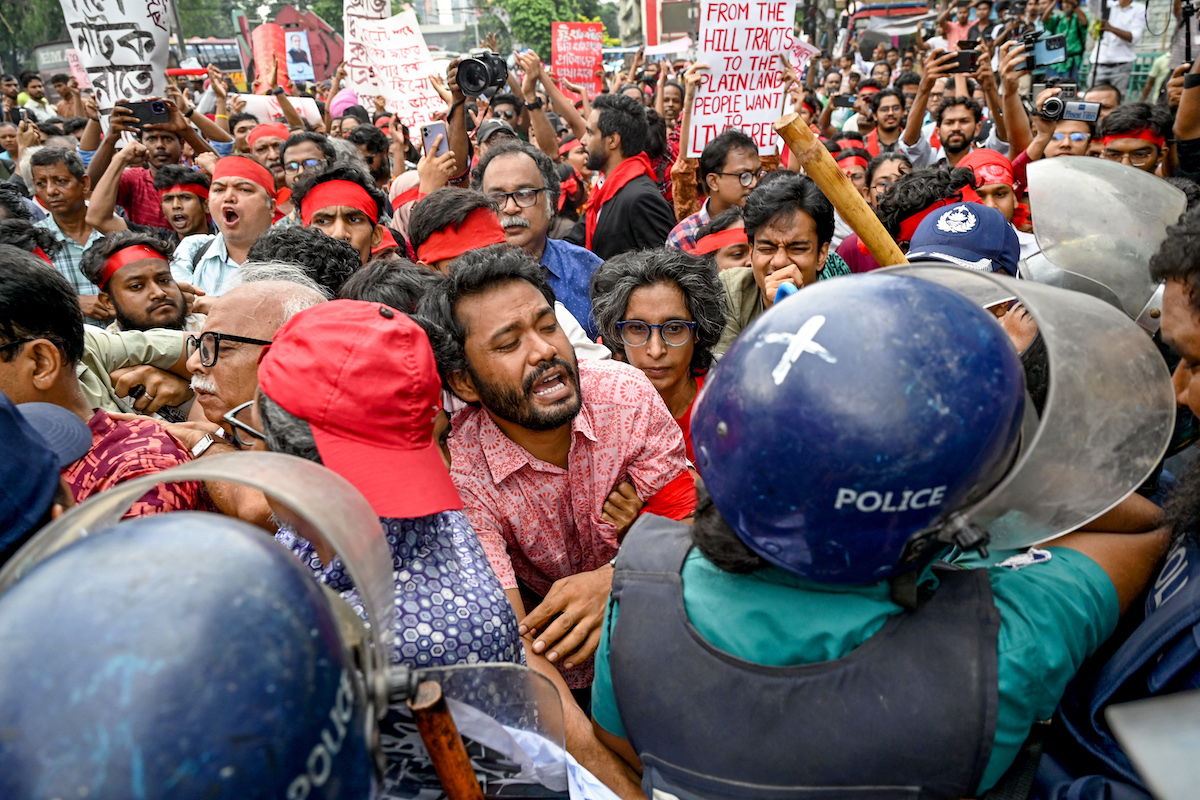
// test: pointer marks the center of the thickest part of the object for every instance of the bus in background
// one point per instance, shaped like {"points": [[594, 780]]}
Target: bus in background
{"points": [[224, 53]]}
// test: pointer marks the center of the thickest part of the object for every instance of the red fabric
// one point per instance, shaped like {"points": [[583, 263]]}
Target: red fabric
{"points": [[851, 161], [856, 255], [1020, 180], [715, 241], [909, 226], [629, 169], [1021, 216], [387, 241], [248, 168], [989, 167], [479, 229], [337, 193], [675, 500], [567, 188], [276, 129], [40, 253], [1144, 133], [685, 422], [193, 188], [407, 196], [137, 195], [125, 256], [567, 146], [126, 449], [872, 143]]}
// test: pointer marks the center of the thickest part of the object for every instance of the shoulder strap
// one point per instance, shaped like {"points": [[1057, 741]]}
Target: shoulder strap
{"points": [[201, 253]]}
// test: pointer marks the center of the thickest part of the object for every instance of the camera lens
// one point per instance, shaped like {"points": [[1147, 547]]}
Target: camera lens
{"points": [[472, 77], [1052, 109], [158, 107]]}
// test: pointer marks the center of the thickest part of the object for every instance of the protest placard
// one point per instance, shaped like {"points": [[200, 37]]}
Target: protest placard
{"points": [[77, 70], [122, 47], [267, 45], [741, 41], [356, 13], [575, 52], [266, 108], [395, 51]]}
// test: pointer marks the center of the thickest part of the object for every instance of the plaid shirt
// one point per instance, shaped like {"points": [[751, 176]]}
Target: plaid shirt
{"points": [[137, 195], [684, 233], [68, 257], [126, 449]]}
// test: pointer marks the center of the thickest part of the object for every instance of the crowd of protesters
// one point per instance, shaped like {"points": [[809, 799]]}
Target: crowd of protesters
{"points": [[501, 345]]}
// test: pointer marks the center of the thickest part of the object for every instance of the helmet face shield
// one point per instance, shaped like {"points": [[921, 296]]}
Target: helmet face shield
{"points": [[1099, 222], [1108, 414]]}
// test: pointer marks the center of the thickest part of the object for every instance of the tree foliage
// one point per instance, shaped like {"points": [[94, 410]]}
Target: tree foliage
{"points": [[24, 26], [529, 21]]}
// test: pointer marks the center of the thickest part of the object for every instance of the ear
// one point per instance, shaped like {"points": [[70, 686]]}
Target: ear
{"points": [[377, 236], [106, 303], [44, 364], [462, 385], [710, 181], [822, 255], [614, 141]]}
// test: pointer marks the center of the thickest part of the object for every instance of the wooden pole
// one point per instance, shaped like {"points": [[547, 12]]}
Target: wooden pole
{"points": [[820, 166], [445, 746]]}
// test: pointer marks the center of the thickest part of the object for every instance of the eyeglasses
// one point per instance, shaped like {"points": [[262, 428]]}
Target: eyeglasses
{"points": [[675, 332], [308, 163], [524, 198], [745, 178], [236, 425], [509, 114], [1139, 158], [1077, 136], [17, 343], [209, 345]]}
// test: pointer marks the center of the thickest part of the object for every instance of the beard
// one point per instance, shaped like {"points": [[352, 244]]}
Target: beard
{"points": [[596, 161], [129, 323], [957, 148], [513, 406]]}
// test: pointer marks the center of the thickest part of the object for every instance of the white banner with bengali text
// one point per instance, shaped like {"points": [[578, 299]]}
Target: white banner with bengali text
{"points": [[122, 47], [358, 71], [398, 57]]}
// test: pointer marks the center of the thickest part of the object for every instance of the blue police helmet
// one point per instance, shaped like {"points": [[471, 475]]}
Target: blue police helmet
{"points": [[184, 655], [855, 417]]}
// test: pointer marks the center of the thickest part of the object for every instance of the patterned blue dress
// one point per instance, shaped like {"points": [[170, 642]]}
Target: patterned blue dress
{"points": [[450, 608]]}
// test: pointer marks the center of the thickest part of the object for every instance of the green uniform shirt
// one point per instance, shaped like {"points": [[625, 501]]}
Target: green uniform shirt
{"points": [[1053, 615], [105, 352]]}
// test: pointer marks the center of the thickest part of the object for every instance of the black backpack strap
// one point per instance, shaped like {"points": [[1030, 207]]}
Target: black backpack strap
{"points": [[1017, 782], [201, 253]]}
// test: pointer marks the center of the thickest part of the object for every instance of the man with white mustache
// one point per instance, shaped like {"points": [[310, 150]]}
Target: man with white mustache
{"points": [[523, 183]]}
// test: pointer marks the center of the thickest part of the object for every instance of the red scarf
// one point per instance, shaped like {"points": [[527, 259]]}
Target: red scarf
{"points": [[872, 143], [629, 169]]}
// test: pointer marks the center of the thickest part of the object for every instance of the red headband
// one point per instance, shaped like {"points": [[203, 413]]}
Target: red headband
{"points": [[277, 129], [337, 193], [851, 161], [407, 196], [40, 253], [567, 146], [715, 241], [1141, 133], [248, 168], [479, 229], [868, 90], [909, 226], [124, 257], [194, 188], [387, 241]]}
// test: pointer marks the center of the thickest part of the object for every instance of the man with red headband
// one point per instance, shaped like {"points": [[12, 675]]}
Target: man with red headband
{"points": [[182, 192], [728, 171], [242, 204], [343, 203], [266, 146], [627, 212], [1136, 134], [133, 273]]}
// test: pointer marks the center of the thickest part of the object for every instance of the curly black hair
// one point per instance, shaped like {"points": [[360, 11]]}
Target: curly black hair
{"points": [[1176, 260], [448, 205], [328, 261], [24, 234], [919, 190], [393, 281]]}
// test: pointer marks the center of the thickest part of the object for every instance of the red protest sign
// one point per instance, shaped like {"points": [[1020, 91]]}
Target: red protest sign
{"points": [[575, 53]]}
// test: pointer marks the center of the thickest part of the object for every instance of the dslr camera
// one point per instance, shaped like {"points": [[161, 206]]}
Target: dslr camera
{"points": [[481, 71], [1065, 105]]}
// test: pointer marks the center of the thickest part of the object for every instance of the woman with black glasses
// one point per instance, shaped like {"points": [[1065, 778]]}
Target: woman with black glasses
{"points": [[662, 311]]}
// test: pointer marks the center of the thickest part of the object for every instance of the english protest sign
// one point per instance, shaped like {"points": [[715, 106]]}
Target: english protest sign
{"points": [[740, 41]]}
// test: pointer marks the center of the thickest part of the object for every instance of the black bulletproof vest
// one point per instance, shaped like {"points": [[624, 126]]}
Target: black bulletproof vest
{"points": [[910, 713]]}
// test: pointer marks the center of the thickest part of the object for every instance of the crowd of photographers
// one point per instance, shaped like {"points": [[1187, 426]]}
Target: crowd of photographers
{"points": [[496, 326]]}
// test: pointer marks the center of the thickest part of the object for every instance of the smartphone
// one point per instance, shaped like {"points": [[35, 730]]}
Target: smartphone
{"points": [[968, 44], [17, 115], [1050, 50], [429, 133], [844, 100], [968, 61], [149, 111]]}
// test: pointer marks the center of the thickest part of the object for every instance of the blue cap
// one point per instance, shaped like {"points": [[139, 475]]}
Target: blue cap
{"points": [[29, 476], [67, 436], [969, 235]]}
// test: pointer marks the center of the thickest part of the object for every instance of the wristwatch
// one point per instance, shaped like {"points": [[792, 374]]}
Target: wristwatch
{"points": [[191, 110], [534, 104], [201, 447], [278, 90]]}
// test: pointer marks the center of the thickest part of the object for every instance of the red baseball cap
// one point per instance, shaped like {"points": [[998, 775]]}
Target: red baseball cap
{"points": [[362, 375]]}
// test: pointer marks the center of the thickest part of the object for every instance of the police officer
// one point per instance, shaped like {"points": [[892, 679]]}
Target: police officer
{"points": [[799, 635]]}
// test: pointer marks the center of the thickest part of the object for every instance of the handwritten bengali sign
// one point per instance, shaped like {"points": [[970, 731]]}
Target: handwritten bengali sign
{"points": [[355, 15], [122, 46], [741, 43], [575, 52], [396, 52]]}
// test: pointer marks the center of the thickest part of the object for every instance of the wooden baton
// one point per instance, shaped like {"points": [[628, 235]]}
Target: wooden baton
{"points": [[834, 184], [445, 746]]}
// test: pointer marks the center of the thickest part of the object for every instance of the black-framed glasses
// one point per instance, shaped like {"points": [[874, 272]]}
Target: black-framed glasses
{"points": [[238, 426], [524, 198], [209, 345], [307, 163], [675, 332], [746, 178], [17, 343]]}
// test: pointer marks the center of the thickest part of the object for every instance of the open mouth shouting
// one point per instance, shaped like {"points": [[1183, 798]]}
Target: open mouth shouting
{"points": [[551, 385], [230, 216]]}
